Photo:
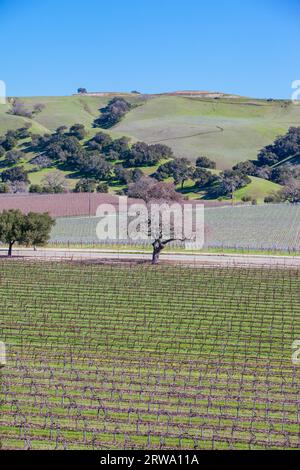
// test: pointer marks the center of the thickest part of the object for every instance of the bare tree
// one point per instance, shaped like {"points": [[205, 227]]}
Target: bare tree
{"points": [[17, 187], [290, 192], [55, 182], [159, 245], [157, 195]]}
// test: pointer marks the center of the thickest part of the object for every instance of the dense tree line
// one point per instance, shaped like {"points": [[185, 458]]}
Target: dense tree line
{"points": [[96, 158], [11, 138], [112, 113], [285, 146], [181, 170], [278, 162], [100, 161], [141, 154]]}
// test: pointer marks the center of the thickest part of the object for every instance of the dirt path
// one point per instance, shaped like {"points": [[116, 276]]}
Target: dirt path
{"points": [[190, 259], [219, 129]]}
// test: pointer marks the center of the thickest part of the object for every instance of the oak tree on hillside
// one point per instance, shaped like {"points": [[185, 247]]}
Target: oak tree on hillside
{"points": [[286, 146], [205, 162], [180, 169], [13, 156], [291, 192], [78, 130], [14, 174], [85, 185], [54, 183], [112, 113], [232, 180], [142, 154]]}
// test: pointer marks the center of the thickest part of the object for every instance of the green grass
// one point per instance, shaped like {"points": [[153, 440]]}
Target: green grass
{"points": [[38, 176], [172, 249], [142, 249], [258, 189], [99, 355], [58, 111]]}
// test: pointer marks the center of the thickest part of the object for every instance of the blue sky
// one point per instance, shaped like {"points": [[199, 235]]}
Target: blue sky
{"points": [[52, 47]]}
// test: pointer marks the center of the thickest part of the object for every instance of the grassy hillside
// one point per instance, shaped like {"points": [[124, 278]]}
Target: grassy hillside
{"points": [[226, 130], [258, 189], [58, 111]]}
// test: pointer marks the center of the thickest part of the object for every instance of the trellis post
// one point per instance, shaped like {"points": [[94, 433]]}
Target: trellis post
{"points": [[2, 354]]}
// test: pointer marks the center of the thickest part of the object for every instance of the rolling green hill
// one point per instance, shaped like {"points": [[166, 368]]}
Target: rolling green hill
{"points": [[227, 130], [258, 189], [58, 111]]}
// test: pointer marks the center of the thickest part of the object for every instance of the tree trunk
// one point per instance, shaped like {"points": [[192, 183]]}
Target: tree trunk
{"points": [[158, 246], [232, 194], [10, 249], [155, 255]]}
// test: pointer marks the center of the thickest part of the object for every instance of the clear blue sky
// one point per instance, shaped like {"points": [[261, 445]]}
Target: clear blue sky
{"points": [[52, 47]]}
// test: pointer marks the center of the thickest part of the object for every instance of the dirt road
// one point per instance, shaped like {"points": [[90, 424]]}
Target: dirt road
{"points": [[177, 258]]}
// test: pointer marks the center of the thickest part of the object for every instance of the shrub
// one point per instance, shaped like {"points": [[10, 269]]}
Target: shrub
{"points": [[246, 198], [15, 174], [271, 199], [85, 185], [36, 188], [13, 157], [205, 162], [41, 161], [142, 154], [102, 188], [4, 188]]}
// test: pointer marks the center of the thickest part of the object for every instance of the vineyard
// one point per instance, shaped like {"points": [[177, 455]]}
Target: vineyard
{"points": [[139, 357], [69, 204], [58, 205], [266, 227]]}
